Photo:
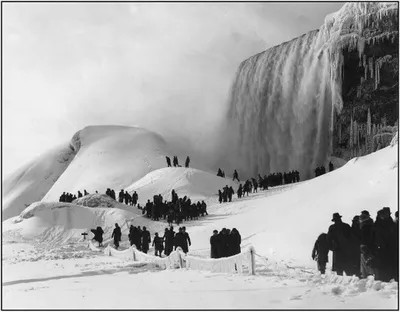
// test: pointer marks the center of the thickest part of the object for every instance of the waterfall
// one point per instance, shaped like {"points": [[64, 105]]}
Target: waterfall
{"points": [[282, 101]]}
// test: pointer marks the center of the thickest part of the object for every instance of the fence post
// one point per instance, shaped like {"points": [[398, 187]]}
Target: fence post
{"points": [[252, 262]]}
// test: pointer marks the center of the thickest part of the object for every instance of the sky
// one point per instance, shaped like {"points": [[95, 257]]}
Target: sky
{"points": [[167, 67]]}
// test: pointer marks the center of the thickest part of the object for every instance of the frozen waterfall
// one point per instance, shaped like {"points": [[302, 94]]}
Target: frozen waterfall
{"points": [[282, 101]]}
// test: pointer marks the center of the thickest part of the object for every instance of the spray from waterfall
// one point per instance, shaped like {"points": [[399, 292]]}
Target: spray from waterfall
{"points": [[283, 100]]}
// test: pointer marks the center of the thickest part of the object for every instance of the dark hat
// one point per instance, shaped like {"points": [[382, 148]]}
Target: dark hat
{"points": [[364, 217], [365, 212], [386, 210], [336, 216], [356, 218], [215, 231]]}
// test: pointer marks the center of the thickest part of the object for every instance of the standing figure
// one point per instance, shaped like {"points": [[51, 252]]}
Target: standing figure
{"points": [[168, 161], [214, 242], [116, 234], [146, 239], [320, 252], [187, 162], [235, 176], [158, 245]]}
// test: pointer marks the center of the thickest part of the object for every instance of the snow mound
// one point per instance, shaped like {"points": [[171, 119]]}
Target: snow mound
{"points": [[194, 183], [59, 223], [96, 158], [32, 181], [98, 200]]}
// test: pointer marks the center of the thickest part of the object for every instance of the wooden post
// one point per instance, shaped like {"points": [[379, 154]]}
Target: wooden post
{"points": [[252, 262]]}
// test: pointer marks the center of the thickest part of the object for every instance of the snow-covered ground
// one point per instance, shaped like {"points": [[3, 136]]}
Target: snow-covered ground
{"points": [[47, 265]]}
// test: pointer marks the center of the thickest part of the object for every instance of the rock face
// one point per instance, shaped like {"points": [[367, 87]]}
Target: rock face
{"points": [[296, 105], [370, 93]]}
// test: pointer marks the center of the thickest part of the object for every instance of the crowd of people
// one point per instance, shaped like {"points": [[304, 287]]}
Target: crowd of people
{"points": [[176, 210], [141, 238], [226, 243], [321, 170], [69, 198], [362, 249], [175, 161]]}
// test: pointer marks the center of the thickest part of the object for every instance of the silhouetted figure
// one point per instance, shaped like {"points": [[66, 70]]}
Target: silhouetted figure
{"points": [[80, 194], [168, 161], [158, 245], [146, 239], [320, 252], [220, 196], [98, 235], [186, 240], [338, 241], [214, 242], [187, 162], [85, 192], [330, 166], [116, 234], [235, 176]]}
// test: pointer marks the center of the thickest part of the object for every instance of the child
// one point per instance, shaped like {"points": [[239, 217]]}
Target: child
{"points": [[320, 252]]}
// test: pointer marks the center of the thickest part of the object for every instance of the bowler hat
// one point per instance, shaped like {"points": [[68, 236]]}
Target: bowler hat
{"points": [[336, 216], [365, 212]]}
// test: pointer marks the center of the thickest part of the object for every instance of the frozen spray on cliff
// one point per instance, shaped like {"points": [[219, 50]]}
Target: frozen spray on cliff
{"points": [[282, 101]]}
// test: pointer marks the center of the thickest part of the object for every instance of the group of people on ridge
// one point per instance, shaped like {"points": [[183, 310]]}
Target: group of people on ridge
{"points": [[362, 249], [176, 210], [321, 170], [175, 161], [69, 198]]}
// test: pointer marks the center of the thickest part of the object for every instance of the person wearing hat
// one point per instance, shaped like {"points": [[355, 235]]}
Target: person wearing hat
{"points": [[116, 234], [214, 242], [385, 241], [367, 257], [355, 226], [146, 240], [339, 241]]}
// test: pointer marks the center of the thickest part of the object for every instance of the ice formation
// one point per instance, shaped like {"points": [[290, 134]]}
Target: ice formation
{"points": [[283, 100]]}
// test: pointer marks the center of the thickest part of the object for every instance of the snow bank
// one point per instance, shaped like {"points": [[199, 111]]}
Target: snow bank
{"points": [[59, 223], [32, 181], [96, 158], [194, 183]]}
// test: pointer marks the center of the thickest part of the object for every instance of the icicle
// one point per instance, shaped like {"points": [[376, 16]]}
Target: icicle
{"points": [[371, 66]]}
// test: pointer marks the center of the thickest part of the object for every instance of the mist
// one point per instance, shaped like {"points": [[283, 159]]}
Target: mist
{"points": [[167, 67]]}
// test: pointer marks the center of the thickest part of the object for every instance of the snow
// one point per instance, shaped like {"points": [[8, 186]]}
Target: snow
{"points": [[96, 158], [45, 255], [196, 184]]}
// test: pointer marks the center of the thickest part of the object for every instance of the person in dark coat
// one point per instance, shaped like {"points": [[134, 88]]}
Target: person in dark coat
{"points": [[235, 241], [220, 196], [224, 243], [168, 161], [132, 234], [330, 166], [179, 239], [186, 240], [320, 252], [385, 230], [240, 191], [146, 240], [214, 242], [169, 241], [98, 235], [138, 240], [187, 162], [355, 226], [158, 245], [338, 241], [116, 234], [235, 176], [366, 245]]}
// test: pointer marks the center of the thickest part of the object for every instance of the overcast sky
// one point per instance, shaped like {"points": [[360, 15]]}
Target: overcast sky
{"points": [[164, 66]]}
